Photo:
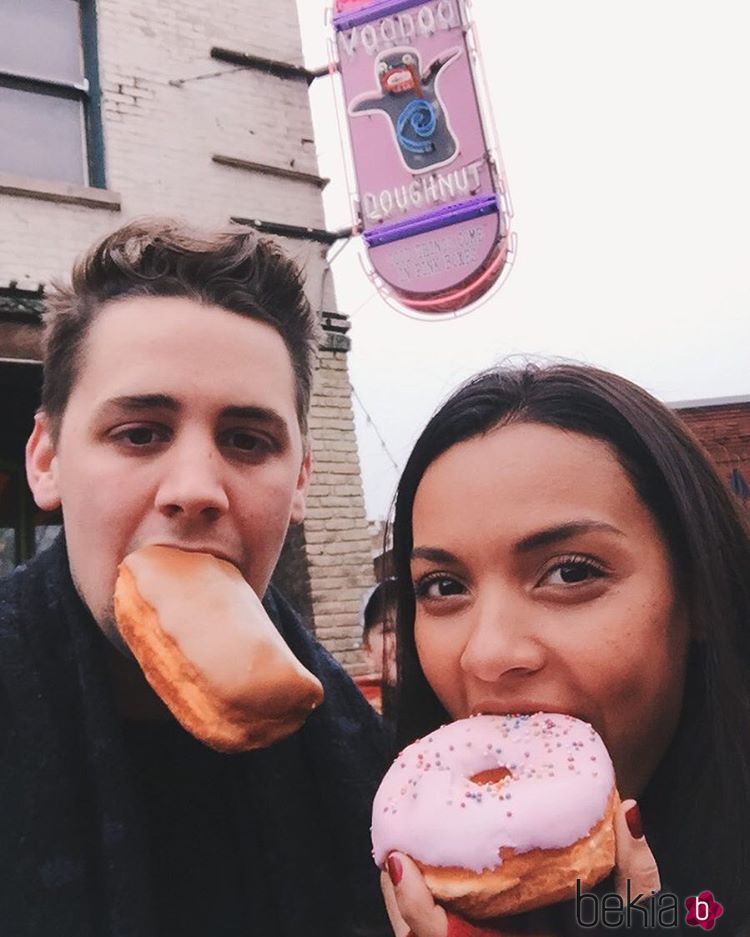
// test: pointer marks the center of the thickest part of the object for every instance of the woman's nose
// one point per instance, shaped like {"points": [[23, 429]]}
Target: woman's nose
{"points": [[192, 484], [503, 639]]}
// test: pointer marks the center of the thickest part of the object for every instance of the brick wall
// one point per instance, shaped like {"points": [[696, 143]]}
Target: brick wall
{"points": [[724, 430], [160, 137], [338, 542], [164, 125]]}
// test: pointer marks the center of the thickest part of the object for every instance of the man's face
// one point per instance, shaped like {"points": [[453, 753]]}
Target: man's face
{"points": [[181, 429]]}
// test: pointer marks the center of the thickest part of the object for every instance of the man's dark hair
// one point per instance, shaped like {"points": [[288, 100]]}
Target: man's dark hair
{"points": [[234, 269]]}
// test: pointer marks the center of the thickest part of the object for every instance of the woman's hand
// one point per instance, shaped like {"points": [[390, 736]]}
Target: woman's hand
{"points": [[413, 910], [408, 900], [634, 860], [414, 913]]}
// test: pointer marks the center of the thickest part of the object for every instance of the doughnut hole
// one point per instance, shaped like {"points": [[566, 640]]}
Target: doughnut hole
{"points": [[493, 776]]}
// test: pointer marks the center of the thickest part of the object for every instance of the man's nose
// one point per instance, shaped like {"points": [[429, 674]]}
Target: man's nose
{"points": [[192, 484], [503, 639]]}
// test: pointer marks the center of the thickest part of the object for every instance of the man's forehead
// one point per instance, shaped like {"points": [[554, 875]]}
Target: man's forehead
{"points": [[170, 325], [176, 348]]}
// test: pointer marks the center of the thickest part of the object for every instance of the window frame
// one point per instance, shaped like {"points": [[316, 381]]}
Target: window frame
{"points": [[87, 92]]}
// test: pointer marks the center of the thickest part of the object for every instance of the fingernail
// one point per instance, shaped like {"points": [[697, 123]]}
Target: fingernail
{"points": [[633, 820], [395, 869]]}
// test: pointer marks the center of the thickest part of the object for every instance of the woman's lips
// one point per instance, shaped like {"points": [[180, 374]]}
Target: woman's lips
{"points": [[520, 708]]}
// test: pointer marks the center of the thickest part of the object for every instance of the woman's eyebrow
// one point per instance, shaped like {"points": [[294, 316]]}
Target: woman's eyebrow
{"points": [[432, 554], [552, 535]]}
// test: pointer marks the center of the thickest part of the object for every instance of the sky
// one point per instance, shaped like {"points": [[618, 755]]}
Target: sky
{"points": [[623, 132]]}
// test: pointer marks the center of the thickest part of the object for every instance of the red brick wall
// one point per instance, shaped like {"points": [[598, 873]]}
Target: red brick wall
{"points": [[724, 430]]}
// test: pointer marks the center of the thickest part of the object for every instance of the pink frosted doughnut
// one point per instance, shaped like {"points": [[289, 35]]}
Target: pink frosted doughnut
{"points": [[501, 813]]}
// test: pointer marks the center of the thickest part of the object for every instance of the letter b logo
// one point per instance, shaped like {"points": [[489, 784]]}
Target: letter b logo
{"points": [[703, 910]]}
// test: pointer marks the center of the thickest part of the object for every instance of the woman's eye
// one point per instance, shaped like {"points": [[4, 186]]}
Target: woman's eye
{"points": [[437, 587], [572, 572]]}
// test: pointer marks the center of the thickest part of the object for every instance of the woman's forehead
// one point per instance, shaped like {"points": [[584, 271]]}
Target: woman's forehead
{"points": [[523, 478]]}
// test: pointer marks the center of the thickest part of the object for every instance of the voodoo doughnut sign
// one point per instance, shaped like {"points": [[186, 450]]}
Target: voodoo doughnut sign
{"points": [[431, 197]]}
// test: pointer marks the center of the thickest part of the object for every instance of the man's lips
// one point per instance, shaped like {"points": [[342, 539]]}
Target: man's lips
{"points": [[217, 552]]}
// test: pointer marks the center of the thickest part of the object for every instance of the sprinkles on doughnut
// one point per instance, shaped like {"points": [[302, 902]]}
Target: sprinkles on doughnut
{"points": [[502, 814]]}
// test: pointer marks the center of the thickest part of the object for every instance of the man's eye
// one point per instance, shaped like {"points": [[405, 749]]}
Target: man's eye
{"points": [[437, 587], [247, 442], [141, 436], [138, 436]]}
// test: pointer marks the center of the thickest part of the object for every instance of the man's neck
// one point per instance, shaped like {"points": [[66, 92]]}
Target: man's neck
{"points": [[134, 697]]}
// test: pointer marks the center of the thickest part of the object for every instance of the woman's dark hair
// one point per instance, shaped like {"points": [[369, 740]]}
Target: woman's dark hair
{"points": [[697, 806]]}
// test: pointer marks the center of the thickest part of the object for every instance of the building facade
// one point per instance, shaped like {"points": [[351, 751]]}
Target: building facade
{"points": [[722, 424], [113, 109]]}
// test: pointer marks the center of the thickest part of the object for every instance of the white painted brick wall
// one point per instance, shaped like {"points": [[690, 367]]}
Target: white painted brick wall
{"points": [[159, 140]]}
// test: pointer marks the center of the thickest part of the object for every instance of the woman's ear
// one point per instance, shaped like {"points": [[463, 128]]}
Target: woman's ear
{"points": [[41, 465]]}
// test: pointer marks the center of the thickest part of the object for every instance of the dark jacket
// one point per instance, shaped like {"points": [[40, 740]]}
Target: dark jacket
{"points": [[74, 854]]}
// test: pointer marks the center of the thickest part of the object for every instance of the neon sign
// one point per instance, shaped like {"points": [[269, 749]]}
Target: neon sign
{"points": [[431, 196]]}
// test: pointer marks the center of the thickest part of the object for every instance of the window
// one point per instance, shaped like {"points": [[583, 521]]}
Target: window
{"points": [[49, 90], [24, 529]]}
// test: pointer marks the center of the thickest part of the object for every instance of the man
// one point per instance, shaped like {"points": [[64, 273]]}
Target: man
{"points": [[174, 410]]}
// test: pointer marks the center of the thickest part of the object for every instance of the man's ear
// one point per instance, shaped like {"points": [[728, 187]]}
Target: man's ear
{"points": [[303, 483], [41, 465]]}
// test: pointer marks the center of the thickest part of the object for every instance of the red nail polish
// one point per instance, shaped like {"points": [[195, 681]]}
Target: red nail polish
{"points": [[395, 869], [633, 819]]}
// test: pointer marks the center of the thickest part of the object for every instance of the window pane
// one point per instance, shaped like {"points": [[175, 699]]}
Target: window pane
{"points": [[41, 38], [8, 520], [8, 559], [45, 535], [42, 136]]}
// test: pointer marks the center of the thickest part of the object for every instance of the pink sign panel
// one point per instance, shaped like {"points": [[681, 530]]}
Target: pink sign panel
{"points": [[429, 196]]}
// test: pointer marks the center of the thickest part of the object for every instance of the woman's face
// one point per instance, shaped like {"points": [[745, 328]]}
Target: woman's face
{"points": [[542, 583]]}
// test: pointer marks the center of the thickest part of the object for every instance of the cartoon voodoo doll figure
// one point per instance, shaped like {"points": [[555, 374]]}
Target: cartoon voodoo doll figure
{"points": [[408, 97]]}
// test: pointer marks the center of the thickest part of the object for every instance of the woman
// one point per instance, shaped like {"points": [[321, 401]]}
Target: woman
{"points": [[562, 543]]}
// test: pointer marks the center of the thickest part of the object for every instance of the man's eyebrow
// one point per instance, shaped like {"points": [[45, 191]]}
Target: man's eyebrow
{"points": [[262, 416], [560, 532], [257, 414], [141, 402]]}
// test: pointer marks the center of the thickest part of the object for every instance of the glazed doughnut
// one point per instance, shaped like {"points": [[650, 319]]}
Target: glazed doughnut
{"points": [[501, 813], [209, 650]]}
